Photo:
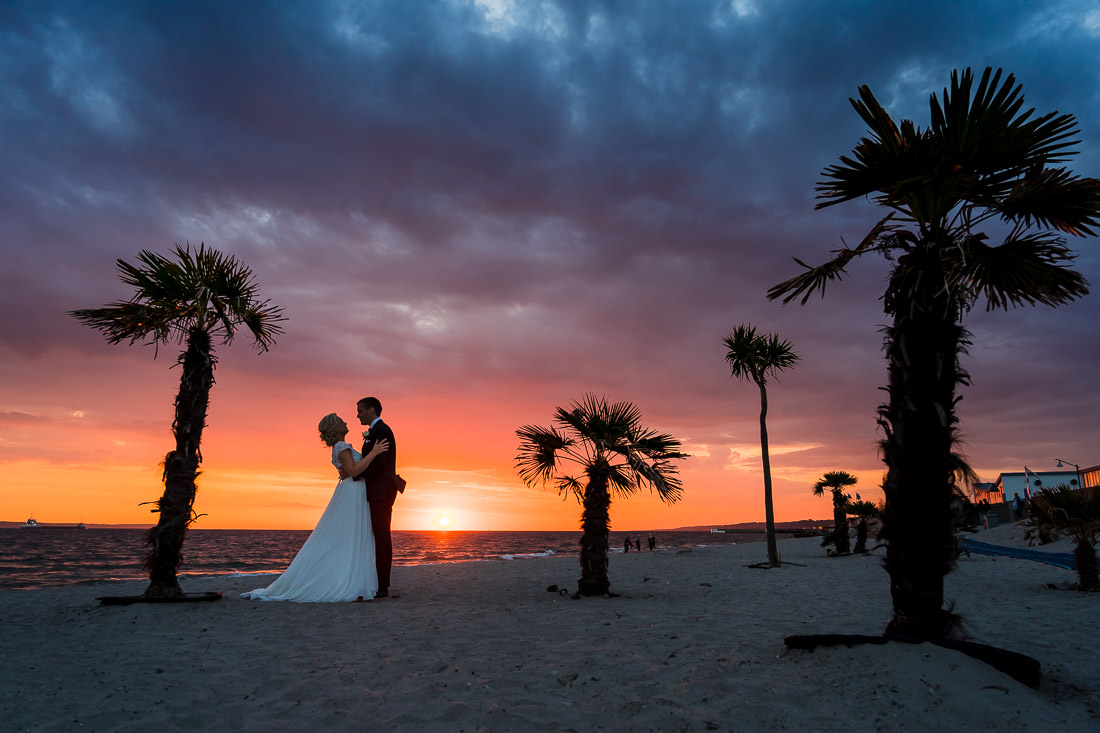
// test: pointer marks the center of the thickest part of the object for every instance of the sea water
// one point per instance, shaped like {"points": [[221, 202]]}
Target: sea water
{"points": [[46, 557]]}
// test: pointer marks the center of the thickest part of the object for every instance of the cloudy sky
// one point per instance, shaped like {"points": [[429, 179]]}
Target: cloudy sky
{"points": [[479, 211]]}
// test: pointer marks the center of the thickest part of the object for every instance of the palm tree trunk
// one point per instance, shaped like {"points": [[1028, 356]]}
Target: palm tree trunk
{"points": [[840, 525], [181, 467], [595, 533], [1088, 572], [769, 514], [861, 535], [922, 350]]}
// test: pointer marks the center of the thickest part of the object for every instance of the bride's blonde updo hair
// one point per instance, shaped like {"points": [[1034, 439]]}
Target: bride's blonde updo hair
{"points": [[331, 428]]}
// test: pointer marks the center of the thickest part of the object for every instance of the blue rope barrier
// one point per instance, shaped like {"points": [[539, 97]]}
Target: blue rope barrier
{"points": [[1059, 559]]}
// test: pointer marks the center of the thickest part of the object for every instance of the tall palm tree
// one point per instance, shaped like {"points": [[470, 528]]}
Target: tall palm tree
{"points": [[609, 452], [185, 300], [1076, 514], [980, 159], [865, 511], [757, 356], [836, 482]]}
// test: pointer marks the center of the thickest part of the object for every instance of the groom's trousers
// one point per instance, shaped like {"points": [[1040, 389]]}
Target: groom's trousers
{"points": [[380, 514]]}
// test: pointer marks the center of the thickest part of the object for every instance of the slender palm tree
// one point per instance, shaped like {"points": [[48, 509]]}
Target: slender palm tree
{"points": [[1076, 514], [980, 159], [758, 356], [185, 300], [864, 511], [836, 482], [609, 452]]}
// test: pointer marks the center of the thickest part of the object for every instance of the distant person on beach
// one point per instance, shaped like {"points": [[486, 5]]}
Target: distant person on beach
{"points": [[1017, 506], [627, 544], [337, 561], [652, 543], [638, 543]]}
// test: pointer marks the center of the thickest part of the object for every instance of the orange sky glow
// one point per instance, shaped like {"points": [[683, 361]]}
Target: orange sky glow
{"points": [[264, 467]]}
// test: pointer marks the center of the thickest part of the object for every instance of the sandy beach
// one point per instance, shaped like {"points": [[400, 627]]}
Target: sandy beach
{"points": [[694, 643]]}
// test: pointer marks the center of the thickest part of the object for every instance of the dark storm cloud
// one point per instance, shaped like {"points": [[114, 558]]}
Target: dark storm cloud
{"points": [[564, 191]]}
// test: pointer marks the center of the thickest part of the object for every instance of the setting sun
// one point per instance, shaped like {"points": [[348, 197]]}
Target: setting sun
{"points": [[444, 521]]}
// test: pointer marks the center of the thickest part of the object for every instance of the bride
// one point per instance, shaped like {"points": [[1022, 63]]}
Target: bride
{"points": [[337, 561]]}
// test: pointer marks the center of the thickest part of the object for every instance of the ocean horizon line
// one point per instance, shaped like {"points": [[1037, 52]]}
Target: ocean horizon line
{"points": [[793, 525]]}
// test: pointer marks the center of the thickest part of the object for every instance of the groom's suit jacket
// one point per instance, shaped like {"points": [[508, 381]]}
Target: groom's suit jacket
{"points": [[379, 475]]}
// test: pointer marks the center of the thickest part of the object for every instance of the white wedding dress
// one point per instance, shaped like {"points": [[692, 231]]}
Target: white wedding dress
{"points": [[337, 561]]}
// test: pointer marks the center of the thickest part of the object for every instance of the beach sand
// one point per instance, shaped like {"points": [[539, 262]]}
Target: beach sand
{"points": [[694, 643]]}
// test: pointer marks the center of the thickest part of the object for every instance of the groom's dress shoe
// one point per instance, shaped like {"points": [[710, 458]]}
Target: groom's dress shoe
{"points": [[383, 593]]}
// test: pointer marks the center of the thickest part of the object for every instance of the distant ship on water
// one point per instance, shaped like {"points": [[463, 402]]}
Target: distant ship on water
{"points": [[32, 523]]}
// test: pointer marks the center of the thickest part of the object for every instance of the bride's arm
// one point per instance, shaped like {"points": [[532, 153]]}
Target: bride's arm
{"points": [[353, 469]]}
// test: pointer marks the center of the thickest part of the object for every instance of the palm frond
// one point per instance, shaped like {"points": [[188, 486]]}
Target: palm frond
{"points": [[741, 351], [609, 442], [200, 288], [624, 417], [622, 481], [658, 445], [661, 476], [574, 418], [755, 356], [988, 141], [879, 159], [602, 423], [816, 278], [537, 461], [1054, 198], [124, 321], [865, 509], [834, 480], [570, 485], [1025, 270]]}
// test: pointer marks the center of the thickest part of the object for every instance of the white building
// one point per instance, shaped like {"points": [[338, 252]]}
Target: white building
{"points": [[1024, 483]]}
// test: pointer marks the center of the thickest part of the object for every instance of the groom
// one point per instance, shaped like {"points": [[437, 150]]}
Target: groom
{"points": [[380, 478]]}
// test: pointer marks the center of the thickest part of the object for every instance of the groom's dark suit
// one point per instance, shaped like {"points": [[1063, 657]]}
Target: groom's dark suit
{"points": [[379, 478]]}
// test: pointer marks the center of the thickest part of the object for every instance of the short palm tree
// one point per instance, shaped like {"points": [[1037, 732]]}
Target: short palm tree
{"points": [[608, 452], [836, 482], [1076, 514], [185, 300], [980, 159], [864, 511], [758, 356]]}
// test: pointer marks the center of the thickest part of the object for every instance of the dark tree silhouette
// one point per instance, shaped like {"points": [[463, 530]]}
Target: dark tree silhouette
{"points": [[1076, 514], [836, 482], [184, 300], [865, 511], [614, 453], [758, 356], [981, 159]]}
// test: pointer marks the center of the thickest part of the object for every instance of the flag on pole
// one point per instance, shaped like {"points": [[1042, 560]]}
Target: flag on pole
{"points": [[1027, 483]]}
